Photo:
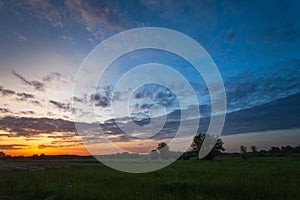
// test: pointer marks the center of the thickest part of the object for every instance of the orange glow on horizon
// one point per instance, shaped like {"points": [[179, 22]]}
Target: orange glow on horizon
{"points": [[78, 150]]}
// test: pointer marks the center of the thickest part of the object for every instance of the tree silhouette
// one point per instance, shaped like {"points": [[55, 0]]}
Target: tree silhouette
{"points": [[253, 149], [244, 152], [275, 150], [198, 142], [164, 150]]}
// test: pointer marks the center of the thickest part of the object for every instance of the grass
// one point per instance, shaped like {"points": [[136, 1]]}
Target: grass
{"points": [[223, 178]]}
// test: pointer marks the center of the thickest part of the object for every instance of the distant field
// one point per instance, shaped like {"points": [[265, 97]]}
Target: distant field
{"points": [[223, 178]]}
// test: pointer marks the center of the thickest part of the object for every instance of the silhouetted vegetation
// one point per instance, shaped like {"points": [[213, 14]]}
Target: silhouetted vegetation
{"points": [[243, 152], [272, 152], [164, 150], [216, 150], [2, 155]]}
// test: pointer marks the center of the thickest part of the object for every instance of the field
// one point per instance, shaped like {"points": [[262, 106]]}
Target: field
{"points": [[223, 178]]}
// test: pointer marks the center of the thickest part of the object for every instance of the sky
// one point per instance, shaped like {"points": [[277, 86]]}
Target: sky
{"points": [[254, 44]]}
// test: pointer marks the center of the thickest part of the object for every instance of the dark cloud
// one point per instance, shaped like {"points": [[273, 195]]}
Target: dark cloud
{"points": [[11, 146], [59, 145], [36, 84], [102, 97], [6, 92], [280, 114], [80, 100], [35, 102], [23, 126], [263, 84], [25, 95], [52, 77], [261, 118], [5, 110], [60, 105], [27, 112], [99, 100], [149, 95], [21, 96]]}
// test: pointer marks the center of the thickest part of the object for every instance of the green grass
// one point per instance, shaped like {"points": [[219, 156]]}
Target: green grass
{"points": [[223, 178]]}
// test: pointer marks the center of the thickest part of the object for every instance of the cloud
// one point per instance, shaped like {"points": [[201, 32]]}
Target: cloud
{"points": [[27, 112], [102, 97], [21, 37], [24, 95], [53, 77], [67, 38], [5, 110], [23, 126], [44, 10], [35, 102], [261, 118], [36, 84], [96, 14], [46, 146], [148, 96], [11, 146], [6, 92], [263, 84], [60, 105], [78, 99], [99, 99]]}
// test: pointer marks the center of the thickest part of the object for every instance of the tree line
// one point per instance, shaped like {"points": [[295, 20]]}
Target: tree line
{"points": [[273, 151], [163, 151]]}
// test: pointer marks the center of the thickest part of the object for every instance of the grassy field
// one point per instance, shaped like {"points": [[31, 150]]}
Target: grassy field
{"points": [[222, 178]]}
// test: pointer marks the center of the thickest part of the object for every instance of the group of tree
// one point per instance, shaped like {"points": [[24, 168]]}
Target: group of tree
{"points": [[162, 151], [273, 151]]}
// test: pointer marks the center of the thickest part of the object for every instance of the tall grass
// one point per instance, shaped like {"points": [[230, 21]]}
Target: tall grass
{"points": [[223, 178]]}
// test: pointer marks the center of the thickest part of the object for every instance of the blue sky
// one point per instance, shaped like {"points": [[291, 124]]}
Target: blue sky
{"points": [[255, 45]]}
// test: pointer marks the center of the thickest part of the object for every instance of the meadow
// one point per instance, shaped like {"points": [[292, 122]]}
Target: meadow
{"points": [[226, 177]]}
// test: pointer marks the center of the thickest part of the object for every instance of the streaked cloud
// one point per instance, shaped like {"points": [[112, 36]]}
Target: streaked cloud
{"points": [[60, 105], [12, 146], [96, 14], [38, 85], [43, 10], [6, 92], [21, 37]]}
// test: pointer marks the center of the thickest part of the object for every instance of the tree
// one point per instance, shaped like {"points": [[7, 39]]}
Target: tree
{"points": [[244, 152], [275, 150], [198, 142], [164, 150], [162, 145], [253, 149]]}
